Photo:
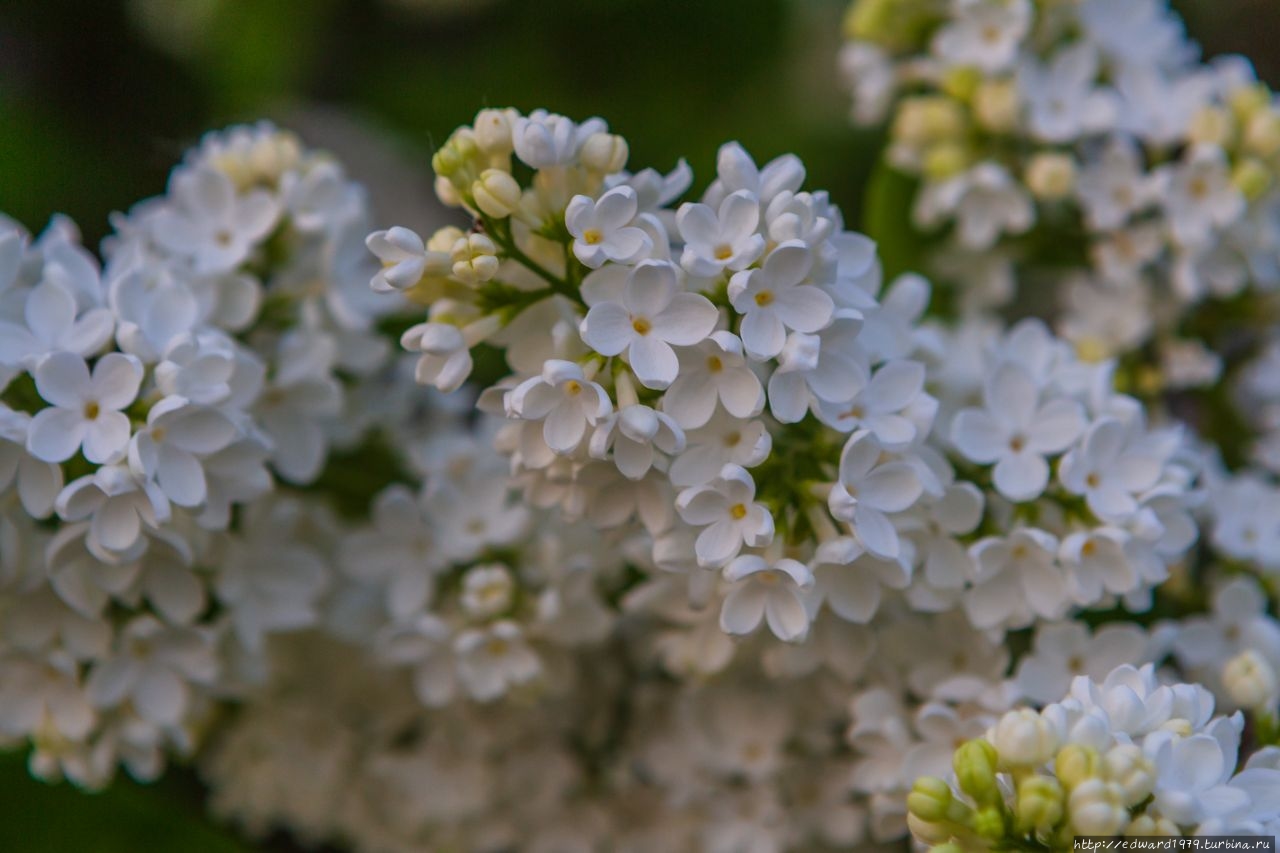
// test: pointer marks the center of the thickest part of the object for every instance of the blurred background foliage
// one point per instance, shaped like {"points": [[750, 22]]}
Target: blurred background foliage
{"points": [[98, 99]]}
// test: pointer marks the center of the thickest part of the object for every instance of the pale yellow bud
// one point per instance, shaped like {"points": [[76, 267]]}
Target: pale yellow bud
{"points": [[493, 132], [474, 259], [975, 766], [444, 239], [447, 192], [961, 83], [928, 832], [925, 119], [995, 103], [1075, 764], [1262, 133], [1252, 177], [1023, 738], [604, 153], [1247, 100], [1040, 804], [1097, 808], [1211, 126], [929, 799], [1251, 681], [945, 160], [496, 193], [1131, 770], [1051, 176]]}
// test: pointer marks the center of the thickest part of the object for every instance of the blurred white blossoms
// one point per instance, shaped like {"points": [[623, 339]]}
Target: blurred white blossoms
{"points": [[727, 552], [144, 407]]}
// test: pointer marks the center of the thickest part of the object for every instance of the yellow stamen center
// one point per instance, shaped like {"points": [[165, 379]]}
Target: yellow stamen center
{"points": [[764, 297], [591, 236], [641, 325], [738, 511], [573, 387], [724, 252], [92, 410]]}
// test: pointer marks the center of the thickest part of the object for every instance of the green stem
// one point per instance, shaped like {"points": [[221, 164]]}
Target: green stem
{"points": [[500, 232]]}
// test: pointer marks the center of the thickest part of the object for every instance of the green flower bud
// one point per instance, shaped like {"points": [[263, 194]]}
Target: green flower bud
{"points": [[1040, 804], [975, 766], [929, 799], [989, 823], [1251, 177]]}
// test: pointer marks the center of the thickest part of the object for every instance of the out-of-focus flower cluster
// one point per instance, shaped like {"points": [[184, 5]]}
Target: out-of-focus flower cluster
{"points": [[734, 549], [1080, 154], [152, 408]]}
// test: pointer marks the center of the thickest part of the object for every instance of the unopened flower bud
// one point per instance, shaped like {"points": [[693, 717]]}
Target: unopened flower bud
{"points": [[1127, 767], [1023, 738], [1211, 126], [474, 259], [1075, 764], [604, 153], [929, 799], [989, 823], [1051, 176], [1145, 824], [928, 832], [926, 119], [493, 132], [945, 160], [1247, 100], [1251, 177], [1251, 681], [975, 766], [1040, 802], [1262, 133], [995, 103], [496, 193], [446, 191], [1096, 807], [961, 82]]}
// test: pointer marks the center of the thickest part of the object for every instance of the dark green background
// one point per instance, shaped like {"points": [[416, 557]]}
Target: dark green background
{"points": [[98, 98]]}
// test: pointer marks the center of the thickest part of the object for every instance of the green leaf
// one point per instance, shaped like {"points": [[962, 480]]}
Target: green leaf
{"points": [[125, 818]]}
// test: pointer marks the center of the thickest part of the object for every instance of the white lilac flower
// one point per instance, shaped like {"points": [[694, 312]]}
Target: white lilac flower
{"points": [[713, 370], [543, 139], [985, 34], [564, 400], [652, 315], [735, 171], [850, 581], [207, 222], [633, 433], [405, 259], [1062, 651], [828, 369], [1016, 431], [777, 298], [36, 482], [722, 440], [1200, 196], [493, 660], [985, 202], [602, 228], [52, 322], [770, 592], [397, 552], [154, 667], [1112, 186], [86, 410], [881, 405], [726, 510], [869, 489], [172, 445], [721, 240], [1016, 577], [445, 362], [1112, 466], [1061, 98], [120, 507]]}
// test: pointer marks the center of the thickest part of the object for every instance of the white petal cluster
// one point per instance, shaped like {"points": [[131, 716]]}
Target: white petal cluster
{"points": [[151, 403]]}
